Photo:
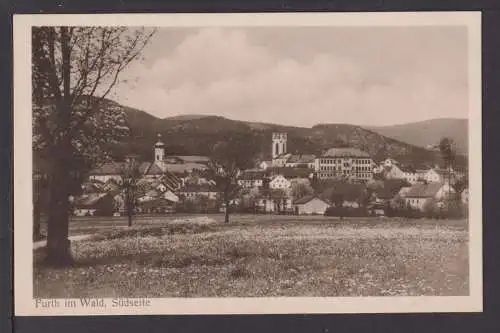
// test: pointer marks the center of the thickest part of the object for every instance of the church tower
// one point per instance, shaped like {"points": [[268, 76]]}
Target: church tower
{"points": [[159, 150], [279, 144]]}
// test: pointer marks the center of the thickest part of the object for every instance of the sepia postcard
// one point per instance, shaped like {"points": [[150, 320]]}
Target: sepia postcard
{"points": [[247, 163]]}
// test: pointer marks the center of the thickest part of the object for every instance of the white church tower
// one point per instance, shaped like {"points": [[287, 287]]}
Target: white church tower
{"points": [[279, 144], [159, 150]]}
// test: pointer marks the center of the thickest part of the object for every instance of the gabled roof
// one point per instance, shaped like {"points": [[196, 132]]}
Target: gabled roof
{"points": [[252, 175], [306, 158], [345, 152], [154, 169], [194, 159], [193, 188], [152, 193], [407, 169], [308, 198], [185, 167], [386, 192], [393, 161], [284, 155], [111, 168], [428, 190], [289, 172], [156, 203], [88, 200]]}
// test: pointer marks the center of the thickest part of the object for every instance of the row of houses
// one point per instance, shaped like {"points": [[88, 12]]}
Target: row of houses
{"points": [[168, 181]]}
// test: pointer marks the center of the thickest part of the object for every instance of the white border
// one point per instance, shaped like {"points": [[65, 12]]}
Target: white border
{"points": [[23, 259]]}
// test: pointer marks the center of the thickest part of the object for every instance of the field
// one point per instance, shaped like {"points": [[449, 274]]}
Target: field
{"points": [[183, 256]]}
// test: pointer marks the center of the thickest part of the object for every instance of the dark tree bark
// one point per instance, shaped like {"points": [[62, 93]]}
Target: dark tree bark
{"points": [[58, 244]]}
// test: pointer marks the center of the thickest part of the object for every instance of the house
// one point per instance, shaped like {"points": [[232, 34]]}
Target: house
{"points": [[310, 205], [433, 176], [389, 162], [265, 164], [149, 195], [267, 204], [192, 159], [107, 171], [437, 175], [94, 204], [251, 178], [156, 206], [290, 173], [279, 182], [280, 160], [393, 172], [399, 171], [184, 168], [297, 160], [409, 174], [192, 192], [421, 193], [403, 191], [349, 194]]}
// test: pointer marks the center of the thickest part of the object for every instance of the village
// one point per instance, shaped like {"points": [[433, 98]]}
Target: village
{"points": [[339, 182]]}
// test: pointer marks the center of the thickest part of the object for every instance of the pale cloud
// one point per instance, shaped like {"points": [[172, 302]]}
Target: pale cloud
{"points": [[227, 72]]}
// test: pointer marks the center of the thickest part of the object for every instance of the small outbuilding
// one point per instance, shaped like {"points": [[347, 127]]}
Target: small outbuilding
{"points": [[309, 205]]}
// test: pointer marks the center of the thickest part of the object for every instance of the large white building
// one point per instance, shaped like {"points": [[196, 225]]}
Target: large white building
{"points": [[348, 163]]}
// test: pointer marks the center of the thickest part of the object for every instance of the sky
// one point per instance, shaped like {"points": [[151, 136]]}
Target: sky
{"points": [[302, 76]]}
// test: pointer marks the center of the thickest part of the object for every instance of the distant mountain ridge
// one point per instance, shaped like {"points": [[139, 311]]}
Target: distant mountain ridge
{"points": [[196, 135], [429, 132]]}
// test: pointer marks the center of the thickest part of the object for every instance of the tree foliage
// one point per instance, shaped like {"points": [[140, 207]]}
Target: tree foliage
{"points": [[300, 189], [236, 152], [73, 70], [130, 175]]}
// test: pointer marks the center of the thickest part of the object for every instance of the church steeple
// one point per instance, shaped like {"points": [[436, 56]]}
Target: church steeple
{"points": [[159, 149]]}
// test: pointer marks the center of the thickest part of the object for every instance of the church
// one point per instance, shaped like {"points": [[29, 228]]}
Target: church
{"points": [[160, 165]]}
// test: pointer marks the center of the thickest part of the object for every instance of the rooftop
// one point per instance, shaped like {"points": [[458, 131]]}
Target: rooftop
{"points": [[419, 190], [345, 152], [306, 199], [299, 158]]}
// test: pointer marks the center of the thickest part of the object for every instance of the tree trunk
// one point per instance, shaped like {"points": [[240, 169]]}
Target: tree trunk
{"points": [[226, 213], [36, 220], [129, 213], [58, 244]]}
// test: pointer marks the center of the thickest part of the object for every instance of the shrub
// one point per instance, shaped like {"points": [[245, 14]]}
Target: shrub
{"points": [[346, 212]]}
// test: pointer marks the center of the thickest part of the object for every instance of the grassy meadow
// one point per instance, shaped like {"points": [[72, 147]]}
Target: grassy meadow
{"points": [[260, 256]]}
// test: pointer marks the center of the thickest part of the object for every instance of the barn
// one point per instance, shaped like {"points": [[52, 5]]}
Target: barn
{"points": [[309, 205]]}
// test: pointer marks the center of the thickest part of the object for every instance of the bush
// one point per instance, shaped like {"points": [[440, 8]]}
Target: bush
{"points": [[346, 212]]}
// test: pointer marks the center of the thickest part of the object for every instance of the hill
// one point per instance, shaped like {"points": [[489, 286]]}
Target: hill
{"points": [[429, 132], [195, 135]]}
